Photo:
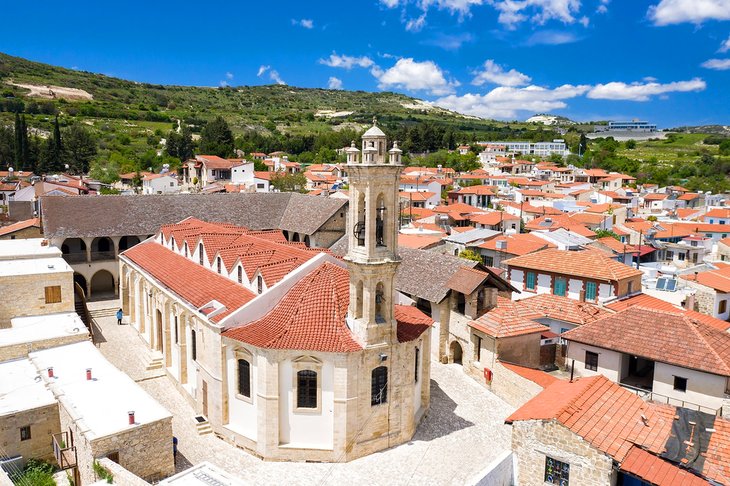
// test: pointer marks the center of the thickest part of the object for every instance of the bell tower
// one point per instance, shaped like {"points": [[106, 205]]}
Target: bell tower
{"points": [[373, 237]]}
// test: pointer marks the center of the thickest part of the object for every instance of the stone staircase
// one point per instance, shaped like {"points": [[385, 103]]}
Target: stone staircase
{"points": [[99, 313], [156, 361], [202, 425]]}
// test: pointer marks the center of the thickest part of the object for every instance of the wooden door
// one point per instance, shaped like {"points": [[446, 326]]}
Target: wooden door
{"points": [[205, 399]]}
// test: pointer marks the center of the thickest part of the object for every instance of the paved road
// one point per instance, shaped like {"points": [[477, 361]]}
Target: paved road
{"points": [[463, 432]]}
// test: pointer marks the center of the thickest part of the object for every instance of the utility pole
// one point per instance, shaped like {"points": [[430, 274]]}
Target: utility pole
{"points": [[638, 259]]}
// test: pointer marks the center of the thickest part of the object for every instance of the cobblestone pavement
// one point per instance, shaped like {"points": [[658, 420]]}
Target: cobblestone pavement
{"points": [[462, 433]]}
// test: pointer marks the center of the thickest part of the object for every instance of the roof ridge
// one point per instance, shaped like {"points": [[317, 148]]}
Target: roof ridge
{"points": [[594, 380], [695, 325]]}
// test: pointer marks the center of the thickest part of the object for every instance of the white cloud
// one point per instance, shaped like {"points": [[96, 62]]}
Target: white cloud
{"points": [[229, 75], [725, 46], [334, 83], [274, 76], [505, 102], [695, 11], [551, 38], [449, 42], [417, 24], [584, 21], [642, 91], [494, 73], [346, 62], [415, 76], [513, 12], [262, 69], [717, 64], [306, 23], [603, 7]]}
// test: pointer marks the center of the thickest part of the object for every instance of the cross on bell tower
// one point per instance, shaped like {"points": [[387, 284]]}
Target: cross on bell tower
{"points": [[373, 237]]}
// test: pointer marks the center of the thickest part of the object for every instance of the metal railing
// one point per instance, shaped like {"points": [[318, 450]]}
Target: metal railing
{"points": [[65, 455], [652, 396]]}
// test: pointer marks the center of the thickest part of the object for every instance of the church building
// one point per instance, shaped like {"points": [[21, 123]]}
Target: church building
{"points": [[289, 352]]}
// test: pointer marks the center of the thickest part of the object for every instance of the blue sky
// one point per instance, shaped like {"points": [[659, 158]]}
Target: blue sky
{"points": [[667, 61]]}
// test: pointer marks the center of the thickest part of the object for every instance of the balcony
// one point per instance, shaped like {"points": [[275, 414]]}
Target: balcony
{"points": [[65, 455], [75, 257], [102, 255]]}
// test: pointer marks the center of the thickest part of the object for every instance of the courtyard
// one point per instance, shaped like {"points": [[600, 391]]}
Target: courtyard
{"points": [[462, 434]]}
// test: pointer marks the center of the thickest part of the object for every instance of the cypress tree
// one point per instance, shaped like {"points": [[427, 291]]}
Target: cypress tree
{"points": [[18, 142], [56, 149], [24, 145]]}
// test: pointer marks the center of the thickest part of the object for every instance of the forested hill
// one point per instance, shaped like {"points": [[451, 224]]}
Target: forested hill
{"points": [[264, 108]]}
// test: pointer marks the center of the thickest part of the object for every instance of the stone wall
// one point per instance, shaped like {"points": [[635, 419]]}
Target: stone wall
{"points": [[145, 450], [24, 295], [121, 475], [43, 422], [704, 298], [15, 351], [32, 232], [534, 440], [511, 387]]}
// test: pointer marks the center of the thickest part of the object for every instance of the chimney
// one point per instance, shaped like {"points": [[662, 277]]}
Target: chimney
{"points": [[88, 373], [131, 417], [50, 372]]}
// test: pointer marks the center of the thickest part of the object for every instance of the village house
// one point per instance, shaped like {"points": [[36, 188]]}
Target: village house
{"points": [[717, 216], [29, 228], [209, 169], [496, 251], [280, 347], [712, 296], [686, 363], [165, 183], [496, 220], [477, 196], [585, 275], [593, 432]]}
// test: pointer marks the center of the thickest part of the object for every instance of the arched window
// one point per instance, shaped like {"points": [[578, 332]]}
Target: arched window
{"points": [[244, 378], [172, 243], [307, 389], [200, 253], [260, 284], [380, 304], [185, 249], [219, 262], [359, 300], [379, 386], [240, 274]]}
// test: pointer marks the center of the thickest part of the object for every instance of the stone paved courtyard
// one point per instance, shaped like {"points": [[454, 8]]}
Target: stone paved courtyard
{"points": [[452, 444]]}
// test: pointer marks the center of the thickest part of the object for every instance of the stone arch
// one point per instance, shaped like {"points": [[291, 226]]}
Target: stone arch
{"points": [[102, 284], [361, 217], [456, 352], [158, 329], [381, 220], [127, 242], [102, 248], [381, 303], [74, 250], [295, 237], [306, 241], [81, 280]]}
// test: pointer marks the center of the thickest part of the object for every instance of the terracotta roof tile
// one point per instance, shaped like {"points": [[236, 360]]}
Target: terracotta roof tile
{"points": [[716, 279], [656, 471], [536, 376], [20, 225], [311, 316], [676, 338], [507, 320], [646, 300], [564, 309], [192, 282], [517, 244], [411, 322], [584, 263]]}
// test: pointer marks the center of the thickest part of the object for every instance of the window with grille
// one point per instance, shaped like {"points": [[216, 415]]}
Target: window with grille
{"points": [[240, 274], [556, 472], [530, 281], [193, 345], [591, 361], [244, 378], [25, 433], [200, 253], [53, 294], [379, 386], [306, 389]]}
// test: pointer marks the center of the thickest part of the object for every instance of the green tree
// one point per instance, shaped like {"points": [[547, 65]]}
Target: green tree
{"points": [[217, 138], [725, 147], [602, 233], [80, 148], [283, 182], [583, 144], [630, 144], [180, 145], [52, 157]]}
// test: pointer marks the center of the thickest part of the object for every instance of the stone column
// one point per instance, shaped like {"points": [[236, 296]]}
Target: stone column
{"points": [[88, 242], [183, 321], [267, 380]]}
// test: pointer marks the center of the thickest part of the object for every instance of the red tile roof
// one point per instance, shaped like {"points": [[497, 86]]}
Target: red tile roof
{"points": [[536, 376], [311, 316], [585, 263], [646, 300], [722, 213], [676, 338], [20, 225], [656, 471], [492, 218], [517, 244], [411, 322], [215, 162], [564, 308], [606, 415], [192, 282], [507, 320], [419, 241], [716, 279]]}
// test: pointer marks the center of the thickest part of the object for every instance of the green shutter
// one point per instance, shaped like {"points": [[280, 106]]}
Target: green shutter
{"points": [[590, 290], [559, 288]]}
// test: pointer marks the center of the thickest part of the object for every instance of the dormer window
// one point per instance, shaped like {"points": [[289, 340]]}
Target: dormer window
{"points": [[260, 284], [240, 274], [200, 253], [219, 263]]}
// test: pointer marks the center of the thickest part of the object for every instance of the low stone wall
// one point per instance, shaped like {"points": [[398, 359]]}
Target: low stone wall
{"points": [[15, 351], [511, 387], [499, 472], [121, 475]]}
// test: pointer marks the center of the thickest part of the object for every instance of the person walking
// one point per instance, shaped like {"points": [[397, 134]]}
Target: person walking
{"points": [[119, 317]]}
